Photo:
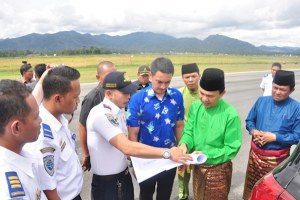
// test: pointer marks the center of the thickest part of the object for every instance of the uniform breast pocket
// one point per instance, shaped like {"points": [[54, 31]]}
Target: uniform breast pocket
{"points": [[66, 153]]}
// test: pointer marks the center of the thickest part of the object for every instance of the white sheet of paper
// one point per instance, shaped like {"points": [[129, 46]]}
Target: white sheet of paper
{"points": [[146, 168]]}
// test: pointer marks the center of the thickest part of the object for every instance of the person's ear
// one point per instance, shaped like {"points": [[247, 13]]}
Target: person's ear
{"points": [[15, 127], [222, 93], [57, 98], [98, 78], [150, 76]]}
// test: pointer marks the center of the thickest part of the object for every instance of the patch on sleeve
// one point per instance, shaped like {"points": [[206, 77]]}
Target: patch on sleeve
{"points": [[49, 164], [111, 119], [14, 185], [47, 150], [47, 131]]}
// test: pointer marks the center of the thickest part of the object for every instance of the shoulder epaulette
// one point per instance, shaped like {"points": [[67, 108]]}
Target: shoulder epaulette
{"points": [[47, 131], [107, 106], [14, 185]]}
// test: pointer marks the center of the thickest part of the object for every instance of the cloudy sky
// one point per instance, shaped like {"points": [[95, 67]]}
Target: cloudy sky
{"points": [[259, 22]]}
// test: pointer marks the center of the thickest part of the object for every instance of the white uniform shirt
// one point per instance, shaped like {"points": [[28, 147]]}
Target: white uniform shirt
{"points": [[266, 84], [18, 177], [61, 168], [104, 122]]}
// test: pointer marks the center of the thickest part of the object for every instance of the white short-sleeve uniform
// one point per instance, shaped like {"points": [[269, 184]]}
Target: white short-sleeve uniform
{"points": [[18, 176], [104, 122], [266, 84], [61, 168]]}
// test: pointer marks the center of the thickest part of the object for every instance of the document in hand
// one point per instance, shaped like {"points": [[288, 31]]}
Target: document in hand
{"points": [[146, 168]]}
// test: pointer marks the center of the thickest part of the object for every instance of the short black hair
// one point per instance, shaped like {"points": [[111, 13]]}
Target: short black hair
{"points": [[24, 68], [39, 69], [58, 80], [277, 64], [13, 103], [163, 65]]}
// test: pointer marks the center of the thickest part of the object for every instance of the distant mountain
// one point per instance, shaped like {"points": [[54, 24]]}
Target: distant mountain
{"points": [[147, 42], [279, 49]]}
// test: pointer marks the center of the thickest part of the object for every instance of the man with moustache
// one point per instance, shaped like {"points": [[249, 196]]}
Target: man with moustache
{"points": [[274, 124], [213, 128]]}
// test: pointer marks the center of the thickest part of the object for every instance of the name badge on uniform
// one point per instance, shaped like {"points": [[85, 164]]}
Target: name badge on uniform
{"points": [[14, 185], [49, 164]]}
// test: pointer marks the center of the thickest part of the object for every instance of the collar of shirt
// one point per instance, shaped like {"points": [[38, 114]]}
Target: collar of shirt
{"points": [[186, 89], [281, 103], [52, 121], [150, 92], [24, 162], [115, 109]]}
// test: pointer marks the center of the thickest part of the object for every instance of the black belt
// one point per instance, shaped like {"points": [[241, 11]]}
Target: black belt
{"points": [[113, 176]]}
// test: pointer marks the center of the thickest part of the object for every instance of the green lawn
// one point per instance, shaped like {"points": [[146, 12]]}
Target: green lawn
{"points": [[86, 64]]}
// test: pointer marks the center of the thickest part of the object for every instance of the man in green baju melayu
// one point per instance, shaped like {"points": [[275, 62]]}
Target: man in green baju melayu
{"points": [[213, 128]]}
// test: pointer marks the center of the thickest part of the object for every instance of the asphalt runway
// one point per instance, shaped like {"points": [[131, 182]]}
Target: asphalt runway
{"points": [[242, 90]]}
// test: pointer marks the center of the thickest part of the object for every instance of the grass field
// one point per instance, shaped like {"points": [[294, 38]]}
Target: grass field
{"points": [[86, 64]]}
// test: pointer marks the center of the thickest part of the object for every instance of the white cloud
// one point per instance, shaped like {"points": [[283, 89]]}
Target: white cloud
{"points": [[269, 22]]}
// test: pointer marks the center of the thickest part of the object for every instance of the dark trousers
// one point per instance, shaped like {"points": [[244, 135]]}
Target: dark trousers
{"points": [[77, 198], [113, 187], [164, 181]]}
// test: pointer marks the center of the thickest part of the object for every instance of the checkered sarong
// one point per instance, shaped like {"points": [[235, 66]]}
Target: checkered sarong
{"points": [[260, 163], [212, 182]]}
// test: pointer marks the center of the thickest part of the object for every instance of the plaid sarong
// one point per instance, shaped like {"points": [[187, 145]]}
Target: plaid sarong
{"points": [[212, 182], [260, 163]]}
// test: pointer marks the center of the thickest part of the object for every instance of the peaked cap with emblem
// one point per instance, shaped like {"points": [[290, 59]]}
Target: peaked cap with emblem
{"points": [[117, 80], [143, 70]]}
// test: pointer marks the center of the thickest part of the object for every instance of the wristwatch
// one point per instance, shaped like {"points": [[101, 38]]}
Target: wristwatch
{"points": [[166, 154]]}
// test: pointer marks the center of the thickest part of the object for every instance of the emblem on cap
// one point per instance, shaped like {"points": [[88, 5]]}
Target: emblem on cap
{"points": [[126, 78]]}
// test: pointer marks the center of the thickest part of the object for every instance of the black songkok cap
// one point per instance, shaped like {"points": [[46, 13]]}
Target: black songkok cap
{"points": [[212, 80], [189, 68], [285, 78]]}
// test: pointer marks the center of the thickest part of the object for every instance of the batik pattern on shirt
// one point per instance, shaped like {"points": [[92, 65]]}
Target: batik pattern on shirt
{"points": [[155, 117]]}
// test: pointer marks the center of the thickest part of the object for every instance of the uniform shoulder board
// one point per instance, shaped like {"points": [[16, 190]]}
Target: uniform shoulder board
{"points": [[14, 185], [47, 131], [266, 75], [107, 106]]}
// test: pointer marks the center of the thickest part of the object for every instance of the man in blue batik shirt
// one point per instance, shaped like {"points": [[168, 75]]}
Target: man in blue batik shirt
{"points": [[274, 123], [155, 117]]}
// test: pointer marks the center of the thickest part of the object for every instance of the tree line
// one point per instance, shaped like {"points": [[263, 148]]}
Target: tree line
{"points": [[80, 51]]}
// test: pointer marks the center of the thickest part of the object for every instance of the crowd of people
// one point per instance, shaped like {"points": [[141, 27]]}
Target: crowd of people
{"points": [[147, 119]]}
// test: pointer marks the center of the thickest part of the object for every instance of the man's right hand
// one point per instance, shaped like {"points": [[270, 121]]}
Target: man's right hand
{"points": [[86, 163], [177, 155]]}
